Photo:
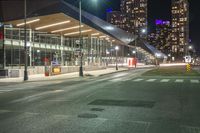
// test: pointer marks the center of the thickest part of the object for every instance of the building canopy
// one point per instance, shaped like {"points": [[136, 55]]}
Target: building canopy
{"points": [[59, 17]]}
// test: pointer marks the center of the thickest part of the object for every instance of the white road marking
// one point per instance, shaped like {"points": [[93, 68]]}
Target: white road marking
{"points": [[35, 96], [2, 91], [179, 81], [165, 80], [151, 80], [138, 80], [190, 129], [56, 91], [126, 79], [120, 75], [116, 80], [194, 81]]}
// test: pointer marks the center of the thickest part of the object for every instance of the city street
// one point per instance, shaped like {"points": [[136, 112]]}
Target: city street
{"points": [[123, 102]]}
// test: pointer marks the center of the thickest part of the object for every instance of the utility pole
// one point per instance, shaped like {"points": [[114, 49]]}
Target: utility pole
{"points": [[25, 44], [80, 40]]}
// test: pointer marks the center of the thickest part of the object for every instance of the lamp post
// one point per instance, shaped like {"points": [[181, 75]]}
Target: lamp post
{"points": [[80, 39], [116, 50], [25, 45]]}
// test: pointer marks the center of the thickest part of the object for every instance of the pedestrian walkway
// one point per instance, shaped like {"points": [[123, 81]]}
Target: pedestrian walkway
{"points": [[41, 77]]}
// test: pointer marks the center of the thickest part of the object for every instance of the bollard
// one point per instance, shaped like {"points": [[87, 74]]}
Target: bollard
{"points": [[188, 67]]}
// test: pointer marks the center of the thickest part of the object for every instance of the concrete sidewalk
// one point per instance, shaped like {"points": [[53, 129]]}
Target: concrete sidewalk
{"points": [[41, 77]]}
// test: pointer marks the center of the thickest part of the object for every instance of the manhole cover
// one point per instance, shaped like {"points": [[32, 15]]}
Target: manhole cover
{"points": [[125, 103], [86, 115], [97, 109]]}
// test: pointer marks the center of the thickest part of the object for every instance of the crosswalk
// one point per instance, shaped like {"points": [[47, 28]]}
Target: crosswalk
{"points": [[191, 81]]}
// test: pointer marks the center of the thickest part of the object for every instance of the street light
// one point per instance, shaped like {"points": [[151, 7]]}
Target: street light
{"points": [[80, 37], [25, 45], [116, 50], [144, 31]]}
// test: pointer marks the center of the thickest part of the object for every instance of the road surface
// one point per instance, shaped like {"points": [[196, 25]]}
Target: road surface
{"points": [[123, 102]]}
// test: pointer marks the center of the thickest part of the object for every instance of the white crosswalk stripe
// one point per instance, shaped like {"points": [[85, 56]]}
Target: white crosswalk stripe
{"points": [[165, 80], [138, 80], [125, 79], [194, 81], [179, 81], [151, 80]]}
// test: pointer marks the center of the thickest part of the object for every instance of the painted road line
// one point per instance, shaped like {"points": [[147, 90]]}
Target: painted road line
{"points": [[116, 80], [151, 80], [138, 80], [2, 91], [189, 129], [194, 81], [165, 80], [179, 81], [127, 79]]}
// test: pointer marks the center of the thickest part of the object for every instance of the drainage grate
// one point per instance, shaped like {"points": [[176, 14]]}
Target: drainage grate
{"points": [[125, 103], [97, 109], [86, 115]]}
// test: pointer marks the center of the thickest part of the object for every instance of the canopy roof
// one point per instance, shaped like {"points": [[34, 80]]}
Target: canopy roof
{"points": [[64, 19], [59, 17]]}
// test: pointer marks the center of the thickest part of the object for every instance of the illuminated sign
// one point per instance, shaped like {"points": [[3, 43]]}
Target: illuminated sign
{"points": [[161, 22]]}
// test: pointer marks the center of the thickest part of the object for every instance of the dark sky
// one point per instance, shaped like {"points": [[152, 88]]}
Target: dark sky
{"points": [[157, 9]]}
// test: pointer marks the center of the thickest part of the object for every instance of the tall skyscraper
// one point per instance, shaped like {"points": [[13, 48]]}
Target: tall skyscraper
{"points": [[180, 28], [163, 32], [116, 18], [162, 37], [133, 17]]}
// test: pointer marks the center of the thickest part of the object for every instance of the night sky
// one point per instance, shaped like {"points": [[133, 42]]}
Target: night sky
{"points": [[157, 9]]}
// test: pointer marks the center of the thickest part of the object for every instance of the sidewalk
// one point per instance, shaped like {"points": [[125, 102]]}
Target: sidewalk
{"points": [[41, 77]]}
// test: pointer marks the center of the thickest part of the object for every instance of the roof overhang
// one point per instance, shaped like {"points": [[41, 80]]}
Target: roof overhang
{"points": [[63, 18]]}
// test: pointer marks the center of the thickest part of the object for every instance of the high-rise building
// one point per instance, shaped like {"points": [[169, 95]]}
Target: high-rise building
{"points": [[163, 33], [161, 38], [133, 17], [116, 18], [180, 28]]}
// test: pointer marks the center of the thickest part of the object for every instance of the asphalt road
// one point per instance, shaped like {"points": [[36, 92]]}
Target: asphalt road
{"points": [[123, 102]]}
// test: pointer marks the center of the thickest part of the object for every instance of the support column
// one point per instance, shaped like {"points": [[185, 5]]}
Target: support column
{"points": [[61, 48], [30, 47]]}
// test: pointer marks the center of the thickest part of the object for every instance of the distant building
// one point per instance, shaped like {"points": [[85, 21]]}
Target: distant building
{"points": [[116, 18], [180, 28], [161, 38], [152, 37], [132, 17]]}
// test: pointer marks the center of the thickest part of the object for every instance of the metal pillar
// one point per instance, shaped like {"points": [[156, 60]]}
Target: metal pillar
{"points": [[30, 47], [25, 46], [116, 61], [61, 50], [80, 40]]}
